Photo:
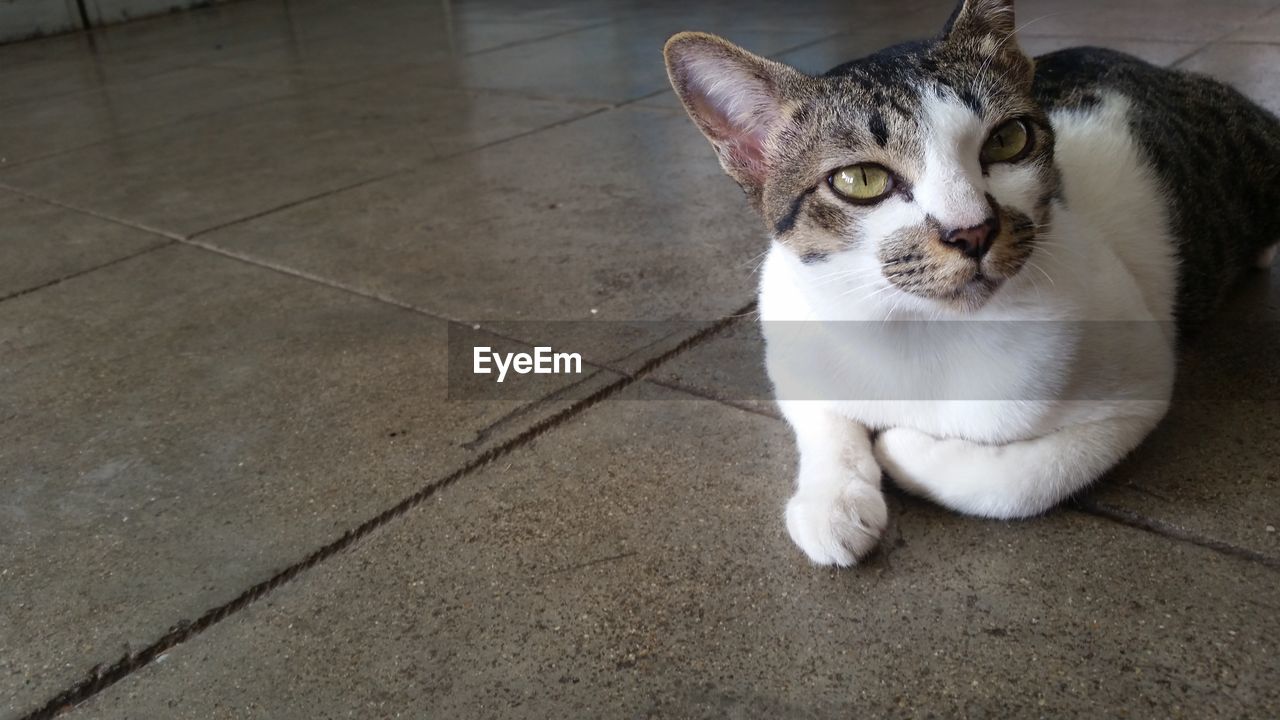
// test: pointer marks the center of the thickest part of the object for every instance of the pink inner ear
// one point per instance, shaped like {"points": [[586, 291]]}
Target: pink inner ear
{"points": [[744, 148], [736, 108]]}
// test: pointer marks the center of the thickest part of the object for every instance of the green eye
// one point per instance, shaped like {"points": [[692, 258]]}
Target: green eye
{"points": [[863, 182], [1009, 142]]}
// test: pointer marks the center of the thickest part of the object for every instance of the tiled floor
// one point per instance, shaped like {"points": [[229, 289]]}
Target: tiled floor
{"points": [[233, 482]]}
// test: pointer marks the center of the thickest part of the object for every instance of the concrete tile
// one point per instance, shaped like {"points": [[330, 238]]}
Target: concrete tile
{"points": [[465, 38], [567, 12], [1265, 30], [329, 54], [45, 126], [610, 213], [831, 16], [1249, 67], [180, 426], [208, 171], [633, 564], [41, 243], [1184, 20], [625, 62]]}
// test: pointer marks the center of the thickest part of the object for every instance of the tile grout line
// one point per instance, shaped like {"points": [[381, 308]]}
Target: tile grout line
{"points": [[481, 436], [1198, 49], [1170, 531], [552, 36], [104, 677], [358, 292], [71, 276], [396, 173], [702, 395], [91, 213]]}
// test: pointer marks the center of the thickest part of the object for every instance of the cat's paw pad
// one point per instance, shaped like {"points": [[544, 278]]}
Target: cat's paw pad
{"points": [[901, 452], [837, 529]]}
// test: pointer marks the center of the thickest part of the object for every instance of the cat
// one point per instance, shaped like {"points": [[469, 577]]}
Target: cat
{"points": [[980, 263]]}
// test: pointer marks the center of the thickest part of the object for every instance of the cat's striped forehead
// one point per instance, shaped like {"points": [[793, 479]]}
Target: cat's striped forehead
{"points": [[878, 100]]}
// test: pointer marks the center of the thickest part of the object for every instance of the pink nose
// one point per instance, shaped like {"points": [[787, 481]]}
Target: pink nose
{"points": [[973, 241]]}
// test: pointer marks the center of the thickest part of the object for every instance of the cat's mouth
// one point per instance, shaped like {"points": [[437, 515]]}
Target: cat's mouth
{"points": [[975, 292]]}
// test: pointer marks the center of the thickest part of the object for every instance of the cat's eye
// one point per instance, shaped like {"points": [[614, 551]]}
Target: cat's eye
{"points": [[1008, 143], [862, 183]]}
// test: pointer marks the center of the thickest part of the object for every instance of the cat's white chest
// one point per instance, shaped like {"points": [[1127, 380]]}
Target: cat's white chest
{"points": [[990, 380]]}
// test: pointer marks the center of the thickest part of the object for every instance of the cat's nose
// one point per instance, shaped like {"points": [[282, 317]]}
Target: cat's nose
{"points": [[973, 241]]}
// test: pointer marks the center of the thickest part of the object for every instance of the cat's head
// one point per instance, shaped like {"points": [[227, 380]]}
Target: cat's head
{"points": [[927, 167]]}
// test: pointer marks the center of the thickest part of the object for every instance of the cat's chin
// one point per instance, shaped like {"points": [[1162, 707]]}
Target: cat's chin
{"points": [[966, 299]]}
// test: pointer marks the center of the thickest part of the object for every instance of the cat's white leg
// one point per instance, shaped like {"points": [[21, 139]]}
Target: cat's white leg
{"points": [[1014, 480], [1268, 256], [838, 512]]}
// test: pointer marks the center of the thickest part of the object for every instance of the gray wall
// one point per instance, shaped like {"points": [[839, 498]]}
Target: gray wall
{"points": [[22, 19]]}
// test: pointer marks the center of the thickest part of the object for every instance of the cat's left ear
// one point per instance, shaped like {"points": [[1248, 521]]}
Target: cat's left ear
{"points": [[737, 99], [988, 25]]}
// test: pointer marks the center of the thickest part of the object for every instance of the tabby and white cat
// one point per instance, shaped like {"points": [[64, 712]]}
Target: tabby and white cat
{"points": [[959, 180]]}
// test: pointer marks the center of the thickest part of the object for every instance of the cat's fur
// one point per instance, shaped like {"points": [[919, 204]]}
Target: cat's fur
{"points": [[1145, 194]]}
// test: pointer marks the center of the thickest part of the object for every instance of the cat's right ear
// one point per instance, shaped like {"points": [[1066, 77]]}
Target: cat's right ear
{"points": [[736, 99]]}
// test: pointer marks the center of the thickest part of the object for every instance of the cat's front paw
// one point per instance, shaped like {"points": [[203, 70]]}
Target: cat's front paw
{"points": [[837, 528]]}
